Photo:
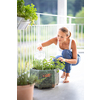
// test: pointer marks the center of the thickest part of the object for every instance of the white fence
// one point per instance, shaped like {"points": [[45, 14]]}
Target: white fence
{"points": [[69, 18], [29, 39]]}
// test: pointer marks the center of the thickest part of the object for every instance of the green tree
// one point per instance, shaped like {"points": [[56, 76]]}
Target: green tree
{"points": [[48, 19], [80, 20], [70, 7], [78, 4], [80, 14]]}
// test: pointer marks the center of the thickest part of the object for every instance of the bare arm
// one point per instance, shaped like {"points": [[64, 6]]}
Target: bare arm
{"points": [[74, 54], [47, 43]]}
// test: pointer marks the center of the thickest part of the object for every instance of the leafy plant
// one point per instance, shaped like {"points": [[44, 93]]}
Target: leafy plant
{"points": [[80, 14], [48, 64], [27, 12], [24, 77]]}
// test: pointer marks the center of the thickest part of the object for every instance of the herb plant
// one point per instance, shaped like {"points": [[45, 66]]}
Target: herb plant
{"points": [[24, 77], [27, 12], [48, 64]]}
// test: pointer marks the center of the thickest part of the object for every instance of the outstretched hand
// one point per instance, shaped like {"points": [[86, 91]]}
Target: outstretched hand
{"points": [[40, 47]]}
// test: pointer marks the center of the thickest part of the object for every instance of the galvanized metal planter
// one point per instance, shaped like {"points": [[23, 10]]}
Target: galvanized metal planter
{"points": [[22, 23], [51, 78]]}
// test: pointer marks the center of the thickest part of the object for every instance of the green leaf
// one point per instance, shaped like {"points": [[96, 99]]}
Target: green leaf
{"points": [[27, 12]]}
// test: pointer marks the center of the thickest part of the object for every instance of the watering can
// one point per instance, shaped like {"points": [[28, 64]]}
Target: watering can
{"points": [[40, 55]]}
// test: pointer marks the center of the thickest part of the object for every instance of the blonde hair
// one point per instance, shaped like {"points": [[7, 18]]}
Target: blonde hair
{"points": [[66, 31]]}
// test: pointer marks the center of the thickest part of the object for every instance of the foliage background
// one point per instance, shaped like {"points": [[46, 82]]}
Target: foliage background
{"points": [[50, 6], [74, 8]]}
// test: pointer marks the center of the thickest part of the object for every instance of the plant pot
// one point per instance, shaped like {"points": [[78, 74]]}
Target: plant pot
{"points": [[25, 92], [22, 23], [51, 78]]}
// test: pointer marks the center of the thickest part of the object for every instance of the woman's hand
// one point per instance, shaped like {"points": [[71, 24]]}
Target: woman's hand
{"points": [[40, 47], [61, 59]]}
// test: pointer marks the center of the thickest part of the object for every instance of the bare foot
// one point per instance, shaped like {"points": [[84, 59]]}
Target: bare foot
{"points": [[66, 81], [66, 78], [63, 76]]}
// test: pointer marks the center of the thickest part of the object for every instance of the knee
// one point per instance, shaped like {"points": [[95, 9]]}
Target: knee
{"points": [[66, 54]]}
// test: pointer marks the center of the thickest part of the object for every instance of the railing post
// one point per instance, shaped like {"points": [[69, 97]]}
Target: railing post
{"points": [[23, 50], [20, 52], [38, 23], [70, 26], [70, 20]]}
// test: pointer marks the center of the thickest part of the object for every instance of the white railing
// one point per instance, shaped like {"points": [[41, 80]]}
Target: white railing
{"points": [[70, 18], [29, 39]]}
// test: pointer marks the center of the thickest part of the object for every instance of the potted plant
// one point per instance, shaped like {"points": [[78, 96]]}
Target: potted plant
{"points": [[25, 14], [47, 69], [25, 83]]}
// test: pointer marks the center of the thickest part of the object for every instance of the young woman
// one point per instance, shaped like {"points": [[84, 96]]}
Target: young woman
{"points": [[67, 50]]}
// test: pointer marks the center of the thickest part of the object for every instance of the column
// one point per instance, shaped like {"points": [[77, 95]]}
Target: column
{"points": [[62, 10]]}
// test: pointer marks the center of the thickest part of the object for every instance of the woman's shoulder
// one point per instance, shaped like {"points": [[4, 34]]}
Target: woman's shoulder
{"points": [[73, 43], [72, 40]]}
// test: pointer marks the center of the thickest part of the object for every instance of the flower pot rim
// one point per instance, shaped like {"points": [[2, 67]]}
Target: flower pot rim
{"points": [[28, 85]]}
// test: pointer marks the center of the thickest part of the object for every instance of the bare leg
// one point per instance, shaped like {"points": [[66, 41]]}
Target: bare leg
{"points": [[63, 75], [66, 78]]}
